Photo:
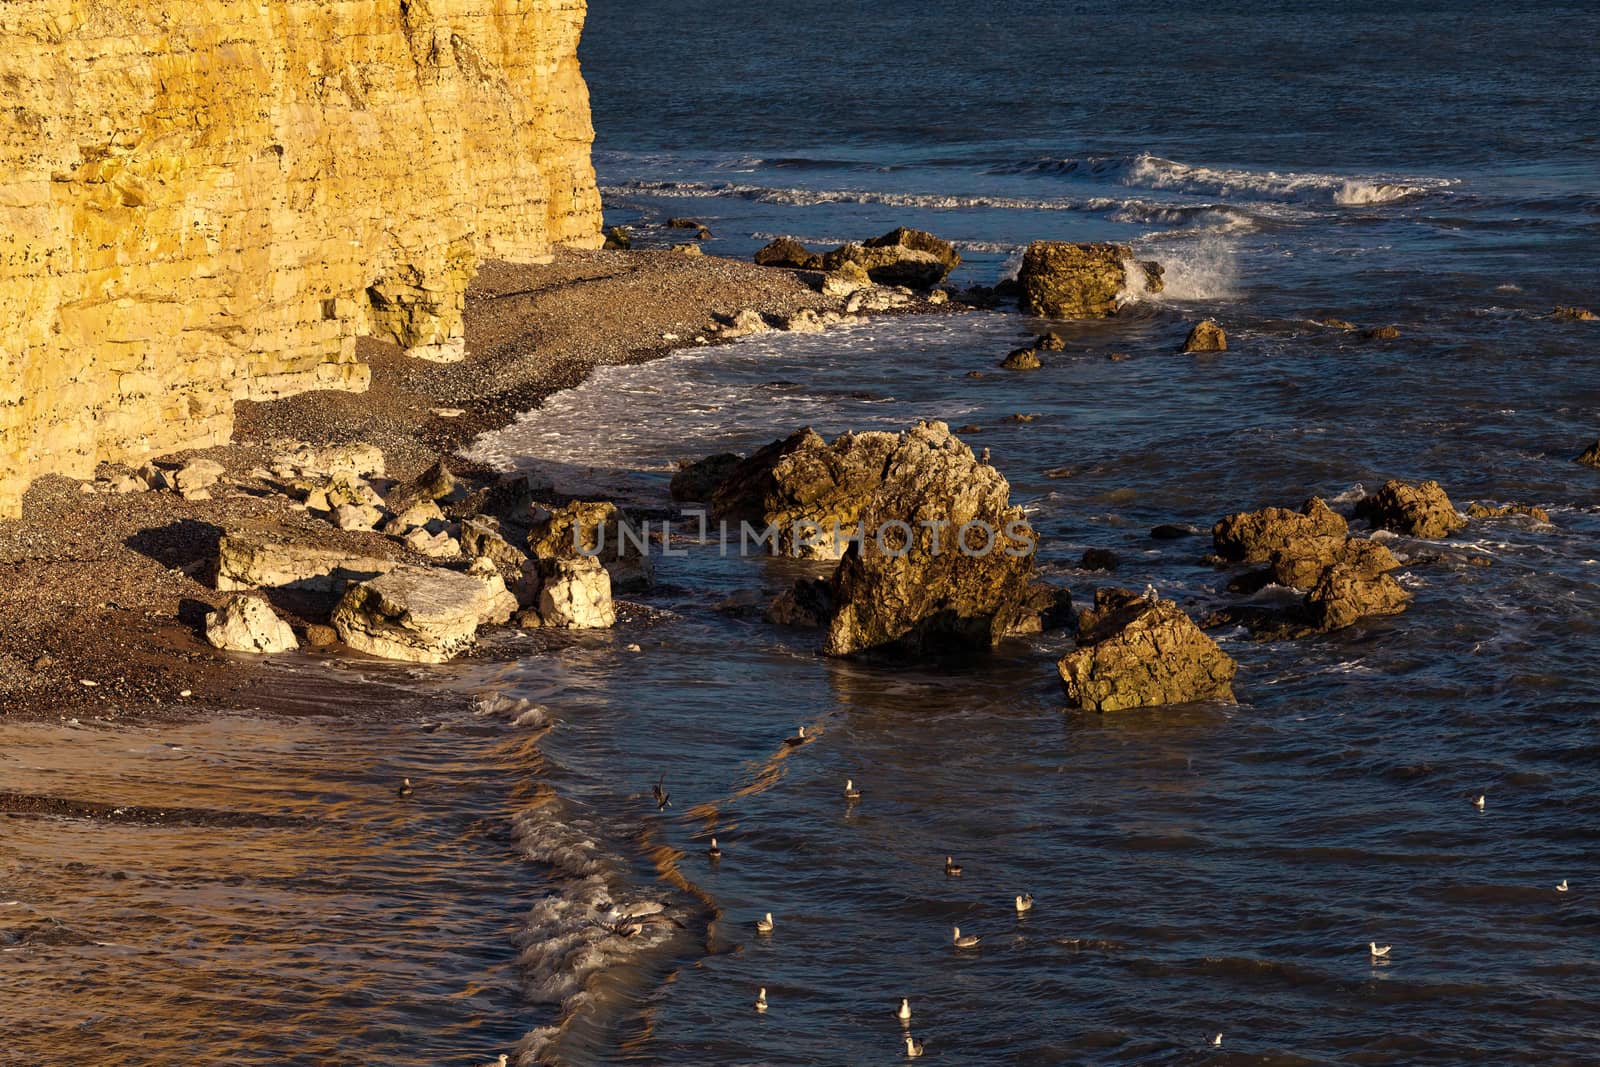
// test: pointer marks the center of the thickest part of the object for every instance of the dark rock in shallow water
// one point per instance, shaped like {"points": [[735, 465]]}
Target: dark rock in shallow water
{"points": [[1589, 457], [1506, 511], [787, 252], [1139, 652], [1415, 510], [1172, 531], [1080, 281], [807, 605], [934, 589], [1050, 341], [699, 480], [1343, 595], [1048, 608], [1021, 359], [1098, 559], [1382, 333], [1206, 336], [683, 224], [1299, 564], [913, 258], [1577, 314]]}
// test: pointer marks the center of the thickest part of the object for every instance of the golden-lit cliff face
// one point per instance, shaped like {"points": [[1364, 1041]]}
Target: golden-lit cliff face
{"points": [[209, 200]]}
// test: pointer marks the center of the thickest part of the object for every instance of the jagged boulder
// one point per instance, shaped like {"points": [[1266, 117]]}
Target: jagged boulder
{"points": [[1345, 593], [1506, 511], [807, 605], [481, 539], [699, 480], [255, 560], [803, 495], [946, 560], [1021, 359], [328, 494], [913, 258], [416, 614], [431, 486], [248, 624], [1590, 457], [596, 528], [787, 252], [848, 278], [1206, 336], [574, 594], [1300, 564], [1137, 652], [1081, 281], [1415, 510], [1253, 536], [1577, 314]]}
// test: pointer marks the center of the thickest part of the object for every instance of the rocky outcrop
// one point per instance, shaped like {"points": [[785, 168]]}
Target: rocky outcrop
{"points": [[1253, 536], [787, 252], [596, 528], [700, 479], [808, 493], [1508, 511], [252, 560], [1021, 359], [1206, 336], [1589, 457], [415, 614], [913, 258], [947, 558], [1082, 281], [202, 201], [1415, 510], [574, 594], [1346, 593], [248, 624], [1136, 651], [1576, 314]]}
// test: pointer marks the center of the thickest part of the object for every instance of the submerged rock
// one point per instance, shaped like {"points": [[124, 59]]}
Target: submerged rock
{"points": [[787, 252], [913, 258], [1589, 457], [248, 624], [1081, 281], [915, 584], [1415, 510], [416, 614], [1139, 652], [1506, 511], [1577, 314], [1382, 333], [1206, 336], [1098, 559]]}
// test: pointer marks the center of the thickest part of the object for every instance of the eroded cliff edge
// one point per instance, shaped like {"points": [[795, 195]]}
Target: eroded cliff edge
{"points": [[203, 201]]}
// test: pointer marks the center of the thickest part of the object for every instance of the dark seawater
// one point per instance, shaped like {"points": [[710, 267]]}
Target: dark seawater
{"points": [[1197, 869]]}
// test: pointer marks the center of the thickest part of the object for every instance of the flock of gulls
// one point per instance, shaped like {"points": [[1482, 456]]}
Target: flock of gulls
{"points": [[1023, 902]]}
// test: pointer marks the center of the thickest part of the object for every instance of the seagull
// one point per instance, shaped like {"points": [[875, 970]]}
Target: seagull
{"points": [[1150, 594], [913, 1048], [405, 789], [714, 852], [850, 790], [970, 941], [761, 1000], [1479, 803], [1024, 903], [1379, 951], [1562, 888], [904, 1014], [1216, 1042], [951, 867], [663, 798], [764, 926], [799, 738]]}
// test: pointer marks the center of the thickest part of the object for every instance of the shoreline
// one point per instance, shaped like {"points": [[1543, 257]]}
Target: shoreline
{"points": [[105, 594]]}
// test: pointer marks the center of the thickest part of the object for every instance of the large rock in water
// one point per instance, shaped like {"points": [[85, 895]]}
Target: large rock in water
{"points": [[800, 490], [1137, 652], [1081, 281], [1415, 510], [700, 479], [913, 258], [1345, 594], [574, 594], [912, 585], [248, 624], [417, 614], [1253, 536], [596, 528]]}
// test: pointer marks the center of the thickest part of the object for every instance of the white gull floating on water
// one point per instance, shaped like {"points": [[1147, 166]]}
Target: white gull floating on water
{"points": [[970, 941], [1378, 951]]}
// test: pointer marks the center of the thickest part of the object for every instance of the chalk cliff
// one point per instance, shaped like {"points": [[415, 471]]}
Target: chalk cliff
{"points": [[203, 201]]}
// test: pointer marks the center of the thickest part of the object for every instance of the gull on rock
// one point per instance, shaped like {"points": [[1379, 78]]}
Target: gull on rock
{"points": [[764, 926], [970, 941]]}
